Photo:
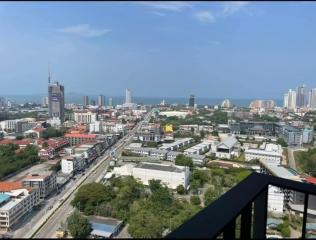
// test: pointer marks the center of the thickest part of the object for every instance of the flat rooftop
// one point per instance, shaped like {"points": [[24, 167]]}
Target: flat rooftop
{"points": [[280, 171], [159, 167]]}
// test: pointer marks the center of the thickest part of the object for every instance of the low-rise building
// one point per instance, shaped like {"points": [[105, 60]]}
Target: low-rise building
{"points": [[197, 159], [200, 148], [228, 148], [80, 138], [85, 116], [46, 182], [179, 143], [283, 198], [267, 151], [172, 176], [103, 227], [71, 164], [308, 135], [158, 154], [15, 201]]}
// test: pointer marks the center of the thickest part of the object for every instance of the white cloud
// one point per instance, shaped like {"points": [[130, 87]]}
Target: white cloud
{"points": [[205, 16], [158, 13], [233, 7], [84, 30], [168, 6]]}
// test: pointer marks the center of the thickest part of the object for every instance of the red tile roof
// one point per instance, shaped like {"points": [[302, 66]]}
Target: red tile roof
{"points": [[9, 186], [78, 135], [18, 142]]}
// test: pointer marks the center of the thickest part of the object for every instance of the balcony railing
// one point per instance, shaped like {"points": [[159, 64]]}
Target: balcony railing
{"points": [[248, 199]]}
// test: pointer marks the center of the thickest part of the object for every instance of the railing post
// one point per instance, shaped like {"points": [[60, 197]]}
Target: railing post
{"points": [[305, 215], [245, 225], [229, 230], [260, 214]]}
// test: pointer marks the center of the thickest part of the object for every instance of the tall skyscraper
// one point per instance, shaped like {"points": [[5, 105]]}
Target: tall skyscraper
{"points": [[92, 102], [45, 101], [85, 100], [128, 96], [56, 100], [286, 100], [312, 99], [191, 100], [101, 100], [110, 102], [301, 96], [290, 100]]}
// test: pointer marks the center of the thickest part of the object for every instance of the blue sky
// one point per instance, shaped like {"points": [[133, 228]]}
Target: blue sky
{"points": [[159, 49]]}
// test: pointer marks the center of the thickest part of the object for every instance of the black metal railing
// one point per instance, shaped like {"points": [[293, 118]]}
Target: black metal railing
{"points": [[247, 199]]}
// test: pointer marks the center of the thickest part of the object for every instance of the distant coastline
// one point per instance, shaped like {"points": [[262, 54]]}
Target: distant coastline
{"points": [[76, 98]]}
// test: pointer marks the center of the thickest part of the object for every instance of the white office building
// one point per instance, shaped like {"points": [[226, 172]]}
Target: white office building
{"points": [[290, 100], [15, 201], [275, 199], [172, 176], [85, 117], [128, 96], [71, 164], [312, 99], [270, 152]]}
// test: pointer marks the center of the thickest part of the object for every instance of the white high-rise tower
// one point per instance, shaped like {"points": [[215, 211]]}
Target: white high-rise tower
{"points": [[128, 96]]}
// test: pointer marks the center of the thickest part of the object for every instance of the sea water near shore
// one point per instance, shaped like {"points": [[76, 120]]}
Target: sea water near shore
{"points": [[77, 98]]}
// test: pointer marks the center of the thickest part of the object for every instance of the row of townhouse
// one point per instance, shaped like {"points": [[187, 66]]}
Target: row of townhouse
{"points": [[165, 154], [200, 148], [79, 157], [177, 144]]}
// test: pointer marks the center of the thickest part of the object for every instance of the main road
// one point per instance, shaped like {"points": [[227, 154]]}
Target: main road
{"points": [[48, 229]]}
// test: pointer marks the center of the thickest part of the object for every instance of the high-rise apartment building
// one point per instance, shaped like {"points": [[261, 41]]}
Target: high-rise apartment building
{"points": [[290, 99], [286, 100], [128, 96], [301, 96], [101, 100], [110, 102], [85, 100], [266, 104], [45, 101], [312, 99], [191, 100], [56, 100]]}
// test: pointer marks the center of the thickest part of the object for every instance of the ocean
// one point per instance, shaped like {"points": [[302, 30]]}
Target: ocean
{"points": [[77, 98]]}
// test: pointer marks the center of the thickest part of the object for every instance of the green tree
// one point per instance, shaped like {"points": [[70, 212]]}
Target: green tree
{"points": [[281, 142], [202, 134], [284, 229], [211, 194], [51, 132], [183, 160], [215, 133], [145, 224], [78, 226], [91, 195], [195, 200], [154, 185], [180, 189]]}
